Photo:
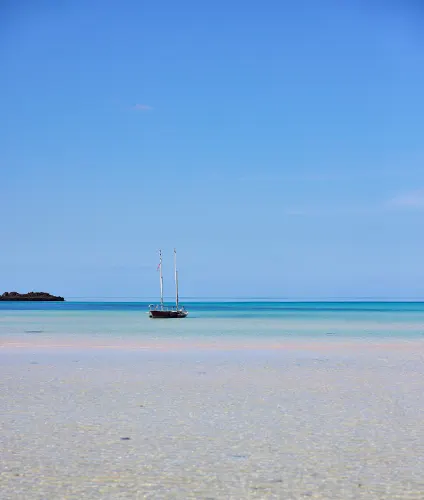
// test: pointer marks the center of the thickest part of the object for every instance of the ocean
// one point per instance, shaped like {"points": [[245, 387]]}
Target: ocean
{"points": [[221, 320], [241, 400]]}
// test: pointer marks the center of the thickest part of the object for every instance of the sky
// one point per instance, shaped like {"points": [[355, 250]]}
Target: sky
{"points": [[278, 145]]}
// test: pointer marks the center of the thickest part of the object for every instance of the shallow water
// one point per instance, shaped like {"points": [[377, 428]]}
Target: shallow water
{"points": [[237, 401], [217, 319], [223, 425]]}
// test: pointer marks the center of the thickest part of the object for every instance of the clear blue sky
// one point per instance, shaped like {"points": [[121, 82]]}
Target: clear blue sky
{"points": [[278, 145]]}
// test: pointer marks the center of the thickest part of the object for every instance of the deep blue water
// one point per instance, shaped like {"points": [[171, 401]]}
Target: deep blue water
{"points": [[227, 308]]}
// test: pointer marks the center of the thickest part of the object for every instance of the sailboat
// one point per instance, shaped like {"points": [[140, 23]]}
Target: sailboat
{"points": [[161, 311]]}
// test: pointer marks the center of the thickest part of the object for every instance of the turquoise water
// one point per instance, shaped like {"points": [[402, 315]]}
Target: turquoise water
{"points": [[217, 319], [239, 309]]}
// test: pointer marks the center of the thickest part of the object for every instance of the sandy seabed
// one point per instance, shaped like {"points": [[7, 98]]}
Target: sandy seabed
{"points": [[173, 420]]}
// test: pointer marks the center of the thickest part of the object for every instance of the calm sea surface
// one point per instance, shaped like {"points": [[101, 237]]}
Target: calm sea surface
{"points": [[196, 423], [218, 319]]}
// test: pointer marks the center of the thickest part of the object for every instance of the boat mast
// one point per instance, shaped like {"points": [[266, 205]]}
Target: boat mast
{"points": [[176, 278], [161, 279]]}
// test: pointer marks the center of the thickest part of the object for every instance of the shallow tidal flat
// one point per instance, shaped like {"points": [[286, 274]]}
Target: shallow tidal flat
{"points": [[106, 424]]}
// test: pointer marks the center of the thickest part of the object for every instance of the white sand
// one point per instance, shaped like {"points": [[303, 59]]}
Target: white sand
{"points": [[287, 424]]}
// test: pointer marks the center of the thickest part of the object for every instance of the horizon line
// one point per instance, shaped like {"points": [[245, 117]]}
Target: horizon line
{"points": [[296, 299]]}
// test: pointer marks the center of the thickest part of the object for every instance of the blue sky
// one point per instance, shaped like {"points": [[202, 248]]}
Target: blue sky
{"points": [[279, 146]]}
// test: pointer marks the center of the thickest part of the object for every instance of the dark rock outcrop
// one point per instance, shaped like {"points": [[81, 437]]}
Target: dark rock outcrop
{"points": [[31, 296]]}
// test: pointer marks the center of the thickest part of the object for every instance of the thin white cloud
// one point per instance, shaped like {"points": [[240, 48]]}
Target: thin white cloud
{"points": [[410, 200], [413, 199], [336, 210], [142, 107], [296, 212]]}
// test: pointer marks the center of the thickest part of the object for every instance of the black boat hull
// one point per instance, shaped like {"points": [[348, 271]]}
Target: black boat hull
{"points": [[163, 314]]}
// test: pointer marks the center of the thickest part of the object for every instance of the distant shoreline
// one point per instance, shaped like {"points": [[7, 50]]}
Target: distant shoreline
{"points": [[30, 297]]}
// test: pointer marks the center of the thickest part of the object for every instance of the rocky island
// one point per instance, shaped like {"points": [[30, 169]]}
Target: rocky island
{"points": [[30, 297]]}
